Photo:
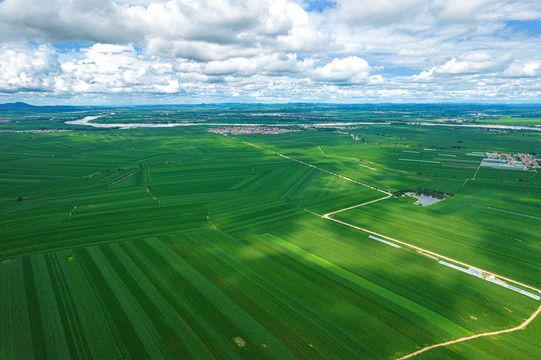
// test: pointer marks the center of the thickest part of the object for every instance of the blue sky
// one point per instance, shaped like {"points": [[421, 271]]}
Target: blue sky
{"points": [[344, 51], [530, 27], [319, 5]]}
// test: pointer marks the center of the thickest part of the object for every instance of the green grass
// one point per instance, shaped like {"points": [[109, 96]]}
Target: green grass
{"points": [[490, 243], [175, 243]]}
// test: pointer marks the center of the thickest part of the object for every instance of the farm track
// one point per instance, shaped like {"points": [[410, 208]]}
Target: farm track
{"points": [[492, 333], [319, 147], [368, 167], [125, 177], [152, 196], [418, 250], [327, 216], [318, 168], [476, 171]]}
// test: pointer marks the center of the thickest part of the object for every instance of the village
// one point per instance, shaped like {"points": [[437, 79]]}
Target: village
{"points": [[35, 131], [520, 161], [248, 130]]}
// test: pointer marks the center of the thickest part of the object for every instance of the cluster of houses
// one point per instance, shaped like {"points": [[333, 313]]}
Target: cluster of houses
{"points": [[247, 130], [35, 131], [520, 161]]}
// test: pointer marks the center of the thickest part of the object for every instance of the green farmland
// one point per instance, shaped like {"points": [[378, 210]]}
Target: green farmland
{"points": [[177, 243]]}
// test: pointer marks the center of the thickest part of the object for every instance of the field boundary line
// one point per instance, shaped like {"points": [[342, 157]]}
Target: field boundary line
{"points": [[492, 333], [318, 168], [514, 212], [355, 206], [366, 166], [322, 152], [159, 204], [127, 176], [475, 175], [360, 162]]}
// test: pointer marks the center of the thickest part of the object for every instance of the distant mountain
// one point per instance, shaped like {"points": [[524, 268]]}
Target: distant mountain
{"points": [[21, 106], [16, 106]]}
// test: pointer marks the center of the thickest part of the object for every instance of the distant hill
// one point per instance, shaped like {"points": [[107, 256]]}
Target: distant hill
{"points": [[16, 106], [21, 106]]}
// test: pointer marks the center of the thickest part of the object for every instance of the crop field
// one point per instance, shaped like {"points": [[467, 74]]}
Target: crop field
{"points": [[177, 243]]}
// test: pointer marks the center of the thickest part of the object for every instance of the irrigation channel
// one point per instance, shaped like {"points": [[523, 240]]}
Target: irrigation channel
{"points": [[494, 278]]}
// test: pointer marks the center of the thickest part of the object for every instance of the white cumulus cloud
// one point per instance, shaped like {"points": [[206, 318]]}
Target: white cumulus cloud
{"points": [[27, 69], [470, 64], [270, 50], [118, 68], [351, 69], [202, 30], [528, 69]]}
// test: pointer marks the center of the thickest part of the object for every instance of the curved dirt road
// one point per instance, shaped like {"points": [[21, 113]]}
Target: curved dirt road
{"points": [[492, 333]]}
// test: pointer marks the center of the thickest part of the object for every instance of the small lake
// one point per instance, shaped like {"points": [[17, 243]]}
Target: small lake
{"points": [[424, 200]]}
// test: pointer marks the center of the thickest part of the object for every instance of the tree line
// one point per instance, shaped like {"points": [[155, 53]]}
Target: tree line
{"points": [[423, 191]]}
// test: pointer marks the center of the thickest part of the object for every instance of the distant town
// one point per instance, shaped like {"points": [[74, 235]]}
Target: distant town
{"points": [[518, 161], [250, 130], [35, 131]]}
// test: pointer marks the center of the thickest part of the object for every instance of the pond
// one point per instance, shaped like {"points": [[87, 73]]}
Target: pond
{"points": [[424, 200]]}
